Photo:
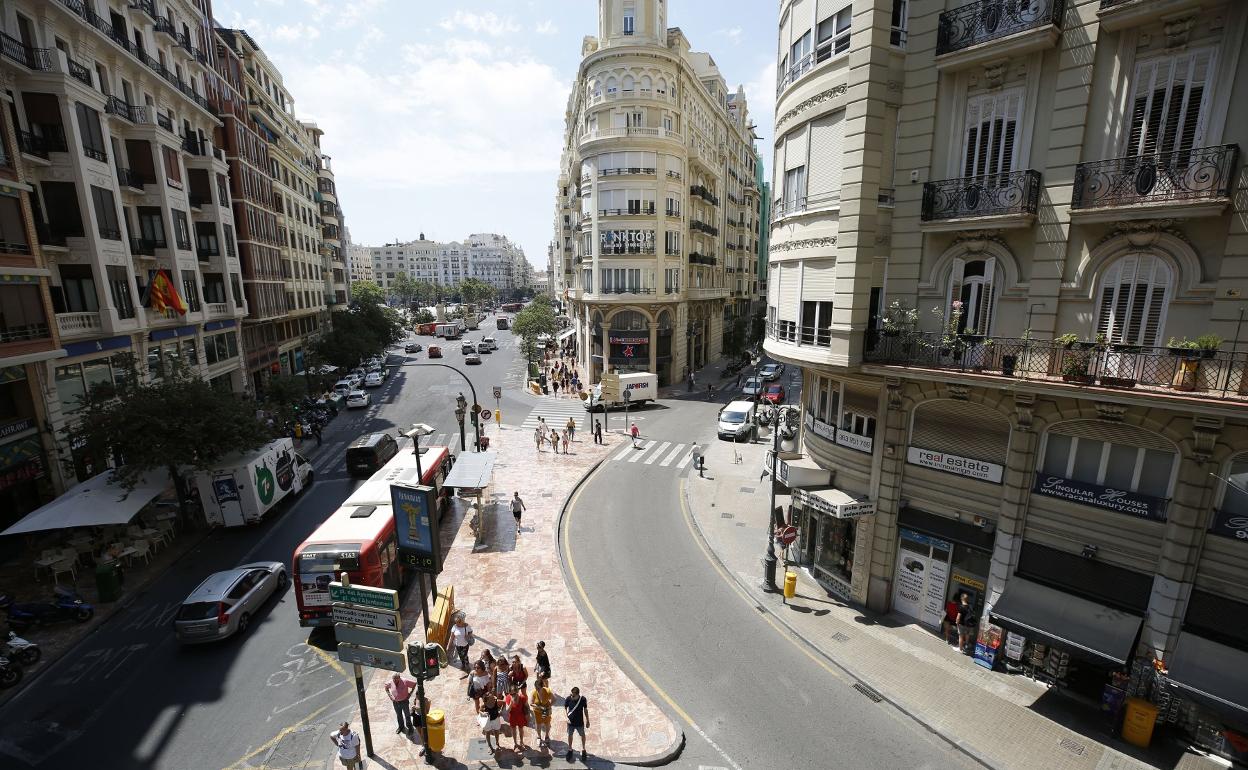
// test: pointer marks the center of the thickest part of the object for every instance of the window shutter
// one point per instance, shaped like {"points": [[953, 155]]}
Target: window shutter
{"points": [[954, 290], [861, 399], [773, 285], [985, 302], [941, 426], [1167, 103], [829, 7], [819, 280], [1133, 300], [789, 286], [1114, 433], [827, 152], [795, 149], [991, 128]]}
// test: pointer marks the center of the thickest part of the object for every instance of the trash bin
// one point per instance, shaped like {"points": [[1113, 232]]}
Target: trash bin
{"points": [[485, 443], [435, 729], [1137, 726], [108, 582]]}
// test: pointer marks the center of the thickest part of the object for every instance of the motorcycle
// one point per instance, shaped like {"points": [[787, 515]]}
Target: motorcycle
{"points": [[18, 649], [10, 673], [66, 604]]}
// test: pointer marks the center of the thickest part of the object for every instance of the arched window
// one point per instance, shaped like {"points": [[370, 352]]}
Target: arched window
{"points": [[665, 319], [612, 85], [662, 89], [971, 284], [645, 84], [628, 84], [1134, 292], [629, 320]]}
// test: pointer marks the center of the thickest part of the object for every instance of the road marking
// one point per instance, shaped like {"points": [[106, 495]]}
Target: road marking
{"points": [[658, 452], [277, 711], [624, 452], [330, 659], [685, 460], [580, 589], [638, 455], [672, 455], [240, 762]]}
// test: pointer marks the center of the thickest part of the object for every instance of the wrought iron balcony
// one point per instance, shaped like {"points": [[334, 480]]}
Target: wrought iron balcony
{"points": [[146, 6], [628, 212], [129, 178], [704, 194], [988, 20], [144, 247], [164, 121], [95, 153], [110, 233], [703, 227], [1210, 374], [50, 139], [28, 56], [79, 73], [626, 171], [117, 106], [1202, 175], [166, 26], [988, 195]]}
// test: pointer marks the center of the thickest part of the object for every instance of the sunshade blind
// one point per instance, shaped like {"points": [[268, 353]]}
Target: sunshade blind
{"points": [[819, 280], [942, 426], [827, 152]]}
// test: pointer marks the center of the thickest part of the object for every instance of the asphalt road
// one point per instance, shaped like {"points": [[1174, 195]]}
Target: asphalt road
{"points": [[746, 695], [130, 697]]}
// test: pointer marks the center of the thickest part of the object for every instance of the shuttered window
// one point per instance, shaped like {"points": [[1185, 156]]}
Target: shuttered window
{"points": [[1105, 463], [819, 280], [972, 284], [1132, 302], [795, 149], [773, 285], [943, 426], [789, 286], [827, 152], [1168, 103], [991, 131]]}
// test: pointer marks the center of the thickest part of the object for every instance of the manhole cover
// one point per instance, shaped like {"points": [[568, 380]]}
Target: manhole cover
{"points": [[1074, 747], [726, 515]]}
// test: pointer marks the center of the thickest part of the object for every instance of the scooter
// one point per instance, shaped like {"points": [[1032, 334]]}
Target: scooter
{"points": [[66, 604], [18, 649], [10, 673]]}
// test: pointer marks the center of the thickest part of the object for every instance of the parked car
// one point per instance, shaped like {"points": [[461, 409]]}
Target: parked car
{"points": [[435, 351], [355, 379], [468, 348], [357, 398], [373, 380], [343, 387], [472, 358], [753, 386], [412, 347], [226, 601], [774, 394], [736, 421], [771, 372]]}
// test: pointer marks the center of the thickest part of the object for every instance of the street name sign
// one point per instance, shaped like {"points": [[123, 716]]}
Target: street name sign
{"points": [[360, 616], [372, 657], [365, 596], [368, 637]]}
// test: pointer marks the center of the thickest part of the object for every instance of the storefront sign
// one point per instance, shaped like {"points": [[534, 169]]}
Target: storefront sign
{"points": [[613, 238], [962, 466], [820, 428], [1118, 500], [855, 509], [934, 593], [15, 427], [19, 474], [1227, 524], [628, 340], [854, 441], [908, 591]]}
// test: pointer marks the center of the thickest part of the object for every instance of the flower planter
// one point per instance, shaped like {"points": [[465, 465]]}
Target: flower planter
{"points": [[1184, 352], [1081, 379], [1118, 382]]}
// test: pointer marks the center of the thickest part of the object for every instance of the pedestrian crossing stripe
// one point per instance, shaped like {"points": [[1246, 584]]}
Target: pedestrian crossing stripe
{"points": [[650, 452], [644, 448], [658, 452], [556, 412]]}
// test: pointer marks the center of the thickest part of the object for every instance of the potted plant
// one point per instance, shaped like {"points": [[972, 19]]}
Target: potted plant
{"points": [[1066, 340], [899, 320], [1208, 344], [1183, 348], [1075, 368], [951, 341]]}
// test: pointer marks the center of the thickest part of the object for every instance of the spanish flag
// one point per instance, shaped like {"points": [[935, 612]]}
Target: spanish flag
{"points": [[162, 295]]}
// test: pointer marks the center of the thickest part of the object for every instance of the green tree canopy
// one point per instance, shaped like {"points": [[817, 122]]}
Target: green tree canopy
{"points": [[422, 316], [530, 323], [403, 287], [367, 293], [364, 330]]}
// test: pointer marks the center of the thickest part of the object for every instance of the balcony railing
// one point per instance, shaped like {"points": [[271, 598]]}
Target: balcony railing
{"points": [[129, 178], [166, 26], [625, 171], [703, 193], [143, 247], [79, 72], [217, 308], [627, 290], [164, 121], [198, 201], [1203, 174], [795, 71], [994, 19], [24, 332], [95, 153], [1214, 374], [117, 106], [629, 212], [146, 6], [110, 233], [988, 195], [702, 259], [28, 56], [78, 324], [703, 227]]}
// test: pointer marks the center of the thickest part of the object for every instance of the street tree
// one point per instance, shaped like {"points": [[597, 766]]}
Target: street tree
{"points": [[404, 288], [175, 422], [532, 322], [367, 293], [364, 330], [422, 316]]}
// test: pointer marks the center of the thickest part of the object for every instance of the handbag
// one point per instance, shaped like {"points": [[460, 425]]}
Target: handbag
{"points": [[482, 719]]}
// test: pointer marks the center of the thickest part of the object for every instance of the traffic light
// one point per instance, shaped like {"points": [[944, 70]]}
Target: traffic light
{"points": [[430, 661]]}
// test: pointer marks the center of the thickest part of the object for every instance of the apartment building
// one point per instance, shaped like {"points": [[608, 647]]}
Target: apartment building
{"points": [[333, 231], [124, 184], [1008, 250], [655, 213], [488, 257], [360, 263]]}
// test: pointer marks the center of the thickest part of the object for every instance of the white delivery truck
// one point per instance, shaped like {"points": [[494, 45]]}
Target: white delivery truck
{"points": [[244, 487], [609, 393], [450, 331]]}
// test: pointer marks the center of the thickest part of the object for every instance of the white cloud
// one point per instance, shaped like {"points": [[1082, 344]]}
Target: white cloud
{"points": [[760, 94], [732, 33], [488, 23], [288, 33], [546, 27]]}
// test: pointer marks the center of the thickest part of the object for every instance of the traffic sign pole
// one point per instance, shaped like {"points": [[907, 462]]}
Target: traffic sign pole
{"points": [[420, 674], [359, 690]]}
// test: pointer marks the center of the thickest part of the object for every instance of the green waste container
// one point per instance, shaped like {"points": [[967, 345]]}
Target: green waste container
{"points": [[108, 582]]}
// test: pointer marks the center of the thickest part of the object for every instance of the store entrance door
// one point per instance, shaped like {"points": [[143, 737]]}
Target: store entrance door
{"points": [[921, 576]]}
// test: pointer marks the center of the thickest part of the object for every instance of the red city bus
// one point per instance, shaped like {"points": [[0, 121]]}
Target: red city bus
{"points": [[359, 537], [512, 307]]}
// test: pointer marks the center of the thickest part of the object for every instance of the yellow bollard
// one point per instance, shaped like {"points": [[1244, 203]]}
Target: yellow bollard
{"points": [[435, 729], [790, 584]]}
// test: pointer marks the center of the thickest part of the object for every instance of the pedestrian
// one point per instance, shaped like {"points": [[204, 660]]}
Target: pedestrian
{"points": [[566, 440], [518, 674], [692, 383], [554, 440], [572, 428], [348, 743], [517, 509], [501, 679], [576, 707], [461, 639], [517, 704], [478, 685], [949, 623], [538, 438], [542, 669], [316, 432], [487, 660], [966, 623], [488, 718], [541, 700], [636, 434], [555, 385], [710, 391], [400, 692], [418, 723], [597, 431]]}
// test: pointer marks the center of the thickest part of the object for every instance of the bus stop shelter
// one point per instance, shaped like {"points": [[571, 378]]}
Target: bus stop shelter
{"points": [[470, 477]]}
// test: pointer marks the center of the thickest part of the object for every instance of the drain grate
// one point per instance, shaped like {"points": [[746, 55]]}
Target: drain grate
{"points": [[867, 691], [726, 515], [747, 490], [1074, 747], [740, 523], [548, 494], [839, 637]]}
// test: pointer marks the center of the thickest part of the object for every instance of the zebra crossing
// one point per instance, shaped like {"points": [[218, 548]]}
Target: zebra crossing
{"points": [[556, 412], [663, 453]]}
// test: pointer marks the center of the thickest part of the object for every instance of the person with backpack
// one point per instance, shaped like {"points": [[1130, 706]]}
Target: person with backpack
{"points": [[348, 743], [576, 707]]}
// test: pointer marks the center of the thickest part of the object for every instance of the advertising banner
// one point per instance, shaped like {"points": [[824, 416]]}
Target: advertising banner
{"points": [[1117, 500], [1228, 524], [963, 466], [415, 519]]}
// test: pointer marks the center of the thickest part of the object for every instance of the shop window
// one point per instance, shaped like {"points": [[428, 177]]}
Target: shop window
{"points": [[835, 554], [1129, 468], [70, 387]]}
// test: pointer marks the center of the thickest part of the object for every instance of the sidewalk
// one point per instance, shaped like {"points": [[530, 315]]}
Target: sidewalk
{"points": [[514, 594], [999, 719]]}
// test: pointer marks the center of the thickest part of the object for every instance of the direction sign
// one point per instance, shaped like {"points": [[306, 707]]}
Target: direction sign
{"points": [[498, 392], [359, 616], [372, 657], [366, 596], [368, 637]]}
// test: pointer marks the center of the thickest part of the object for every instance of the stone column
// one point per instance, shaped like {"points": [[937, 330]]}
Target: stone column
{"points": [[1015, 493], [606, 347], [888, 501], [654, 346]]}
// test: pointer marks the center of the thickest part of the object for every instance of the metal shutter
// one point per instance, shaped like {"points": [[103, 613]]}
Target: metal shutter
{"points": [[795, 149], [829, 7], [861, 399], [819, 280], [799, 22], [789, 286], [991, 131], [1114, 433], [827, 153], [964, 429], [773, 285]]}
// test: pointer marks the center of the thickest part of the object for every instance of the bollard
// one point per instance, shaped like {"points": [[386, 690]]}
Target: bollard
{"points": [[790, 584], [435, 730]]}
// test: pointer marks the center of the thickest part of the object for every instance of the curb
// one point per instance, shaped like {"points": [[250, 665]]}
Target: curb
{"points": [[673, 750], [913, 714]]}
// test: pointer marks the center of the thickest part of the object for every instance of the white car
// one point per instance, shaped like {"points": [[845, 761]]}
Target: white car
{"points": [[343, 387], [357, 398], [372, 380], [472, 358], [354, 379], [771, 372], [487, 344], [468, 348], [753, 386]]}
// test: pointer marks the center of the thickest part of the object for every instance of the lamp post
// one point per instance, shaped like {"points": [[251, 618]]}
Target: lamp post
{"points": [[418, 429], [461, 408], [463, 404], [785, 417]]}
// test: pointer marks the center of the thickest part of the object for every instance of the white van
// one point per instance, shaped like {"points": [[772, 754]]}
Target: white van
{"points": [[736, 421]]}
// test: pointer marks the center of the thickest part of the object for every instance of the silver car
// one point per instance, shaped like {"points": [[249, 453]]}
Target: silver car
{"points": [[226, 601]]}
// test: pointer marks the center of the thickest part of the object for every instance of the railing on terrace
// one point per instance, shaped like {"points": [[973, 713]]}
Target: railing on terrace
{"points": [[79, 72], [129, 178], [626, 171], [24, 332], [987, 20], [117, 106], [795, 71], [1016, 192], [1216, 374], [25, 55], [629, 212], [627, 290], [1204, 173]]}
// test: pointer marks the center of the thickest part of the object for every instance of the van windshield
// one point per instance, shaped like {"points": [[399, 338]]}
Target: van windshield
{"points": [[734, 418]]}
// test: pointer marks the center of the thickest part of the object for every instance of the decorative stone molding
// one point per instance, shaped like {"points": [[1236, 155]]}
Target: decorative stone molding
{"points": [[1024, 410], [893, 389], [1144, 233], [894, 85], [995, 72], [976, 241], [1110, 412], [1178, 30], [883, 239], [805, 104], [958, 391], [807, 243], [1205, 433]]}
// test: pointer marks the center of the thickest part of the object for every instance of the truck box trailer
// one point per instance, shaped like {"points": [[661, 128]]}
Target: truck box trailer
{"points": [[609, 393], [244, 487]]}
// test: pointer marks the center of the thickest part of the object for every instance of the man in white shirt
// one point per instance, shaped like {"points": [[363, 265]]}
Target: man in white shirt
{"points": [[348, 743]]}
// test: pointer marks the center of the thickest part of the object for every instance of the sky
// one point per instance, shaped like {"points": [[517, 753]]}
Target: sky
{"points": [[447, 117]]}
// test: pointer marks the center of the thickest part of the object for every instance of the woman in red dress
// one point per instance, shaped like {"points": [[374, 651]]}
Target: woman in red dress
{"points": [[517, 706]]}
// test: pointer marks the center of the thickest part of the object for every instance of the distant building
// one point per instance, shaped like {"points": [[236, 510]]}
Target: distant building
{"points": [[488, 257]]}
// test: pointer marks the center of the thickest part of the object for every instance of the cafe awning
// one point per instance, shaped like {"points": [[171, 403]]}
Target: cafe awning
{"points": [[472, 470], [834, 502], [1085, 628], [98, 501], [563, 335], [1212, 673]]}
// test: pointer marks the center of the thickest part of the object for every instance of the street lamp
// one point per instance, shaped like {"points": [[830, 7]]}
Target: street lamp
{"points": [[461, 409], [785, 417], [418, 429]]}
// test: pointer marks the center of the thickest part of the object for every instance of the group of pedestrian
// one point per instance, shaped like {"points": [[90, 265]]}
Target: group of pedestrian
{"points": [[960, 619], [543, 434], [564, 376]]}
